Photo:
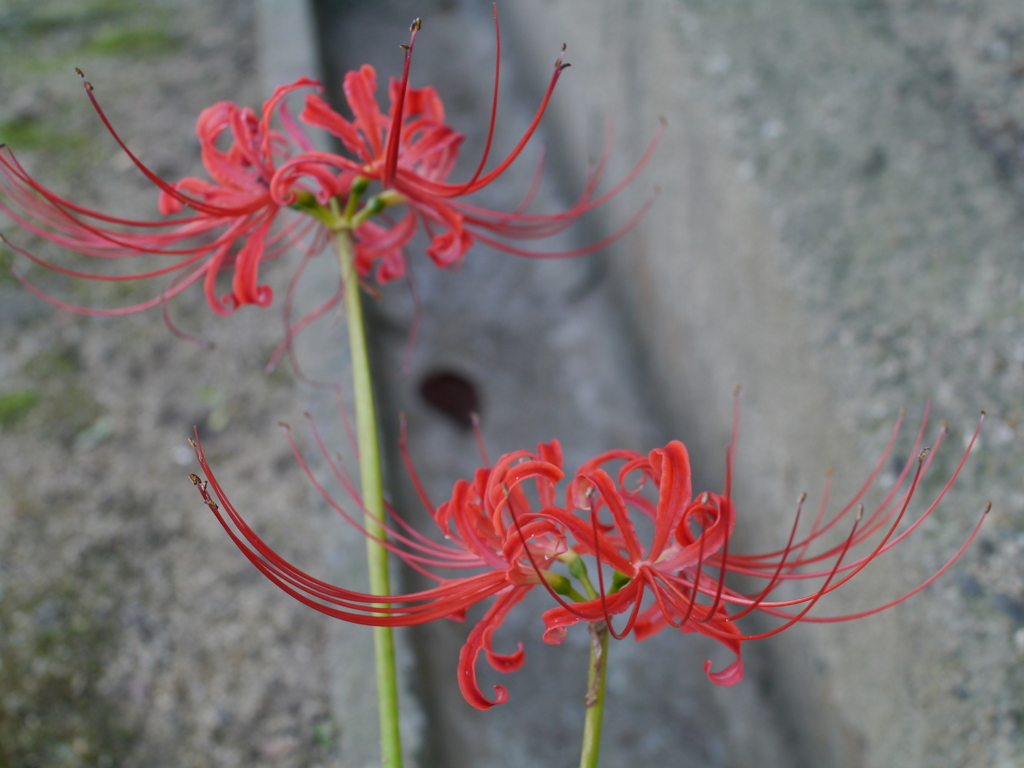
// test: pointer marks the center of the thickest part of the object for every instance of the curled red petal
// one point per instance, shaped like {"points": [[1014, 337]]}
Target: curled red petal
{"points": [[481, 639]]}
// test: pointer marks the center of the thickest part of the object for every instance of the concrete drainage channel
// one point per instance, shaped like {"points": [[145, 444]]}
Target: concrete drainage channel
{"points": [[645, 341], [543, 349]]}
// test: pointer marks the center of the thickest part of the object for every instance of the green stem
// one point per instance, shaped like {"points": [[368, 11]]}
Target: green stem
{"points": [[372, 488], [595, 694]]}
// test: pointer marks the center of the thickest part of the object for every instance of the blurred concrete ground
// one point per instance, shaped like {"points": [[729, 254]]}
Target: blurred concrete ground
{"points": [[838, 230], [130, 634]]}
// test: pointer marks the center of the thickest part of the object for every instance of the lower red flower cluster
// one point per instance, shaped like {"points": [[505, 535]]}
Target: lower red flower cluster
{"points": [[510, 526]]}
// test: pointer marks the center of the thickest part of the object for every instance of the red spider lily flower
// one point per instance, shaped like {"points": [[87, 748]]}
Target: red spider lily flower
{"points": [[488, 524], [411, 152], [678, 579], [230, 220], [685, 566]]}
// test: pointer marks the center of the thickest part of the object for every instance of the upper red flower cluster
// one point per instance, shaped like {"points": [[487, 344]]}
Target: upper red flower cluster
{"points": [[678, 578], [410, 152], [230, 224]]}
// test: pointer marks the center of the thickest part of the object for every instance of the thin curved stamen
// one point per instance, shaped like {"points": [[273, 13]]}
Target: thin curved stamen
{"points": [[412, 559], [451, 557], [533, 562], [494, 105], [394, 133], [291, 330], [862, 563], [693, 591], [600, 580], [534, 188], [193, 203], [277, 567], [824, 590], [877, 520], [863, 488], [475, 418], [911, 593], [724, 566], [165, 311], [574, 252], [403, 449], [782, 564], [452, 190], [117, 312]]}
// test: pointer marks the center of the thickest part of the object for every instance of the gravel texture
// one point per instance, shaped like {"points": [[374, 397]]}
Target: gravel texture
{"points": [[131, 631]]}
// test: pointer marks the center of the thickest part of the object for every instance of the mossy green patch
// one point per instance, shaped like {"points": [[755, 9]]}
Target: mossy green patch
{"points": [[24, 132], [220, 412], [30, 133], [6, 259], [144, 41], [55, 646], [66, 407], [69, 410], [326, 734], [52, 364], [55, 35], [62, 626], [14, 406], [20, 18]]}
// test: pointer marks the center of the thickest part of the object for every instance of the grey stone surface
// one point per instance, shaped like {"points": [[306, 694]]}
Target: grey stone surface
{"points": [[839, 231]]}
